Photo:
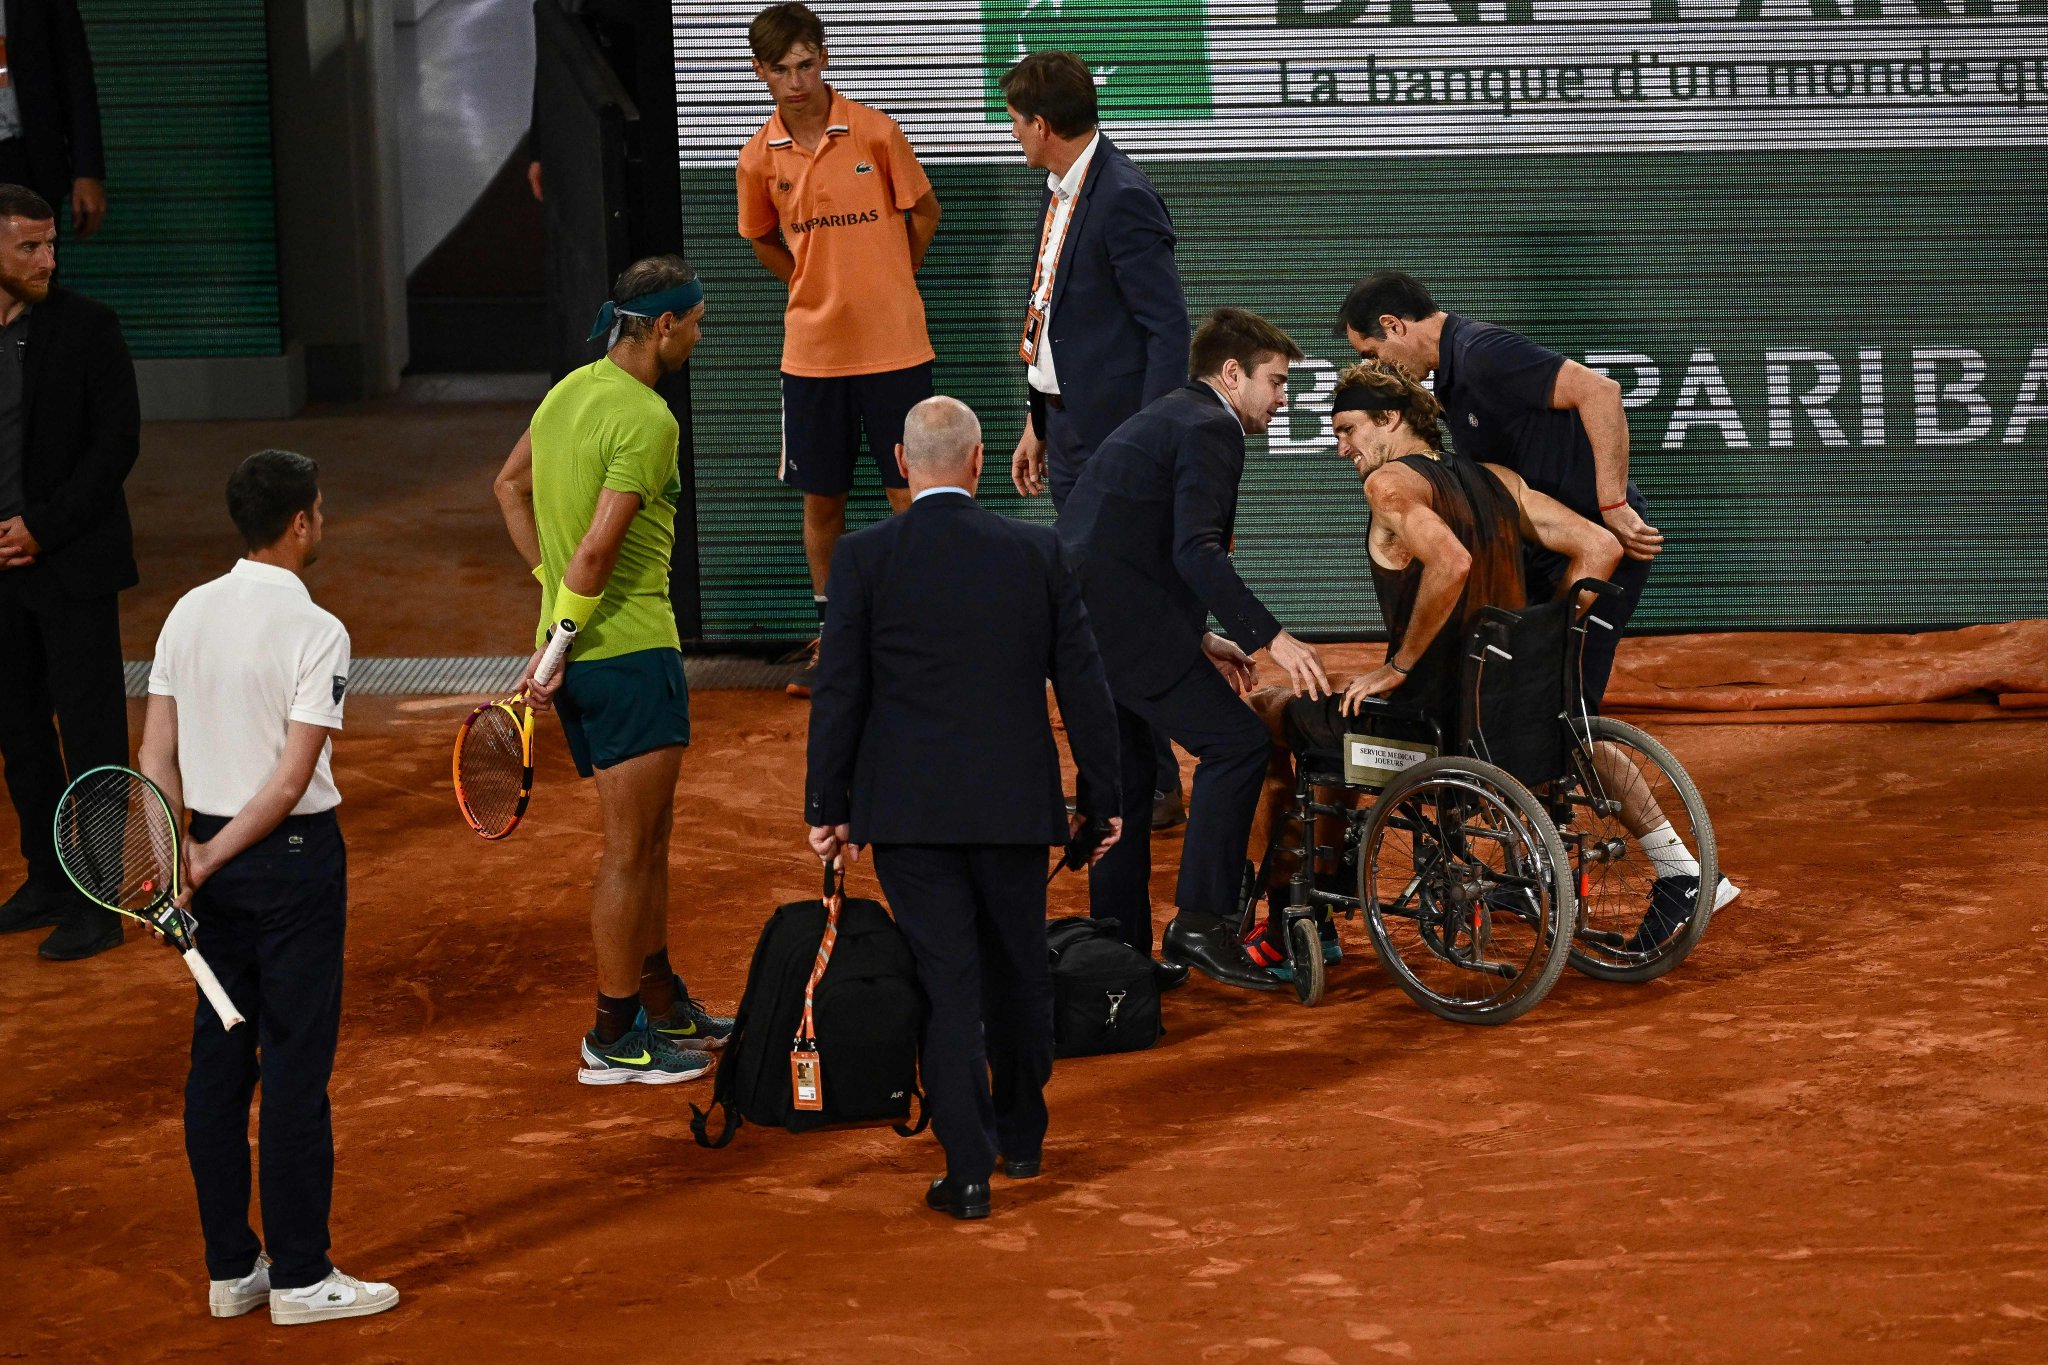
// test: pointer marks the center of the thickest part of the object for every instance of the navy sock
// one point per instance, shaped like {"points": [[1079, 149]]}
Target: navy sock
{"points": [[615, 1016], [658, 985]]}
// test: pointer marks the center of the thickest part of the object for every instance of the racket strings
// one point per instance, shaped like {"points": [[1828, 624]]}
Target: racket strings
{"points": [[492, 769], [114, 838]]}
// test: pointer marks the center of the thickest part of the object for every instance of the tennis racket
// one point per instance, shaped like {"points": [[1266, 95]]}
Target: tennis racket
{"points": [[494, 751], [118, 843]]}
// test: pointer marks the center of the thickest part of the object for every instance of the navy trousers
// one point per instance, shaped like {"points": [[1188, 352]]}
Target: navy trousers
{"points": [[1065, 452], [1202, 715], [975, 918], [271, 925]]}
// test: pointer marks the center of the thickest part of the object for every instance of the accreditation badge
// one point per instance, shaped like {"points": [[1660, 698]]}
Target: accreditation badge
{"points": [[806, 1077], [1034, 328]]}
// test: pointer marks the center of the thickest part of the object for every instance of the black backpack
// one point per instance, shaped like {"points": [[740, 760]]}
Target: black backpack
{"points": [[1104, 996], [868, 1013]]}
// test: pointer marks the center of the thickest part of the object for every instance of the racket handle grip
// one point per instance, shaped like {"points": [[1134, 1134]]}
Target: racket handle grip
{"points": [[210, 987], [557, 650]]}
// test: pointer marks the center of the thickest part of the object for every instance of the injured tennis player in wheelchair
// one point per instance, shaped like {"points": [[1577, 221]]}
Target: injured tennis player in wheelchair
{"points": [[1452, 793]]}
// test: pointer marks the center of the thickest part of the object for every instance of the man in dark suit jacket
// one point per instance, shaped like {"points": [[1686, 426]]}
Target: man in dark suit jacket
{"points": [[69, 431], [943, 625], [1106, 325], [1148, 527], [50, 111]]}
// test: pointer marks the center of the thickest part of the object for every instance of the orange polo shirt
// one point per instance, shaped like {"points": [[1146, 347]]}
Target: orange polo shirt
{"points": [[853, 304]]}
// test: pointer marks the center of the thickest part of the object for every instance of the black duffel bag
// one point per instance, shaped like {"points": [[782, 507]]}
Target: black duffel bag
{"points": [[1104, 995], [853, 1050]]}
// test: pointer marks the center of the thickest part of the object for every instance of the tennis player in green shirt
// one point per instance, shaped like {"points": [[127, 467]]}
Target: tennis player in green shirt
{"points": [[589, 496]]}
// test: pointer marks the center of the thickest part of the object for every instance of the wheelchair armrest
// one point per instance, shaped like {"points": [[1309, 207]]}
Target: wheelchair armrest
{"points": [[1499, 616], [1584, 616]]}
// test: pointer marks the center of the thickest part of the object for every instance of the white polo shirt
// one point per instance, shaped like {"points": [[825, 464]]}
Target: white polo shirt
{"points": [[244, 656]]}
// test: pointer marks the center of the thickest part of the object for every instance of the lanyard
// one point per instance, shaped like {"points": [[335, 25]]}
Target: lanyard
{"points": [[1046, 267], [806, 1067]]}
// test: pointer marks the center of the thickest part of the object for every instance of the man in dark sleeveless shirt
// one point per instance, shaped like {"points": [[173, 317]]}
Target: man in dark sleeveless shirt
{"points": [[1446, 540]]}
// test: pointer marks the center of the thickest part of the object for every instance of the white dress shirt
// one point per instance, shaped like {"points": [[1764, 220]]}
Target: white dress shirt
{"points": [[1064, 187]]}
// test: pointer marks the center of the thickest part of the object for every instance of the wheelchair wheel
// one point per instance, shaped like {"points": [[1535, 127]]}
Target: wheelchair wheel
{"points": [[1633, 925], [1305, 956], [1461, 873]]}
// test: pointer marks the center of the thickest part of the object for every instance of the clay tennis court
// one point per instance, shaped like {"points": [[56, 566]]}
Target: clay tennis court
{"points": [[1822, 1138]]}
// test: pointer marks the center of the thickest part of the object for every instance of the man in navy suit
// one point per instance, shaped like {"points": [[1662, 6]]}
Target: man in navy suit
{"points": [[1148, 527], [1106, 328], [1106, 324], [943, 625]]}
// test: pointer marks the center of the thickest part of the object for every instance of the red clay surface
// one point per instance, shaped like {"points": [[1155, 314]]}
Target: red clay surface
{"points": [[416, 561], [1821, 1139]]}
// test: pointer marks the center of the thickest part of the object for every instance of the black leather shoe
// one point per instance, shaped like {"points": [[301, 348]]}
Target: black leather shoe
{"points": [[1170, 976], [84, 931], [29, 908], [1169, 809], [1021, 1168], [1202, 942], [961, 1201]]}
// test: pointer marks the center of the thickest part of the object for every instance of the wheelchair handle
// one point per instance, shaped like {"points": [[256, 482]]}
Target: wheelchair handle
{"points": [[1599, 586]]}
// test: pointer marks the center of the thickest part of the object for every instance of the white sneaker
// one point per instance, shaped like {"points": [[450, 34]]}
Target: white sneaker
{"points": [[1724, 893], [232, 1298], [337, 1296]]}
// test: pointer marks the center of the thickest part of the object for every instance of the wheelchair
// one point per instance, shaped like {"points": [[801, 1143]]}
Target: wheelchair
{"points": [[1483, 870]]}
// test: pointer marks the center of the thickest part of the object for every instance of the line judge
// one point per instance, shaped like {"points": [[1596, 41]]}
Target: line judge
{"points": [[245, 696]]}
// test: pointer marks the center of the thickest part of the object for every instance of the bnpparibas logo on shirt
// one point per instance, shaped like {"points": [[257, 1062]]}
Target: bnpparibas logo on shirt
{"points": [[1150, 57]]}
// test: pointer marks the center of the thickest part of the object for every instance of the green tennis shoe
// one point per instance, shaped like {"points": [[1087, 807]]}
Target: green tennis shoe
{"points": [[690, 1025], [644, 1055]]}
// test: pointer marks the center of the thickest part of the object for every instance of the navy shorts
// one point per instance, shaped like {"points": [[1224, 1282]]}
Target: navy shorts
{"points": [[619, 708], [824, 420]]}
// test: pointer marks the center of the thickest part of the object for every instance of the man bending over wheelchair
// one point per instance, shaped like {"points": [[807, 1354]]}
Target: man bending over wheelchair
{"points": [[1446, 540]]}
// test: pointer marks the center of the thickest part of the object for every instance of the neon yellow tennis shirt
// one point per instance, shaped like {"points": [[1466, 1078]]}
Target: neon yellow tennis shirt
{"points": [[602, 428]]}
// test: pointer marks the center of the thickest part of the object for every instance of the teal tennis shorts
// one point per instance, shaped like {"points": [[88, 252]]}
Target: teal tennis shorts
{"points": [[619, 708]]}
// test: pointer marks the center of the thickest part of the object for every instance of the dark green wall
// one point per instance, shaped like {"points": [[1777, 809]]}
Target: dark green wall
{"points": [[1834, 251], [188, 256]]}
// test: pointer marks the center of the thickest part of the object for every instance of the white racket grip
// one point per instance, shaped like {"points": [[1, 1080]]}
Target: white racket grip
{"points": [[209, 986], [557, 650]]}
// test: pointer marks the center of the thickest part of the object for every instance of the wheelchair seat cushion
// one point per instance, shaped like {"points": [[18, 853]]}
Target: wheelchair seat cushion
{"points": [[1315, 730]]}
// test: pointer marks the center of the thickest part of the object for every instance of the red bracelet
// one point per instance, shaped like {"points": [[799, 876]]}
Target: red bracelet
{"points": [[1612, 505]]}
